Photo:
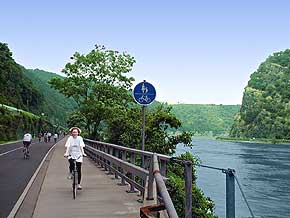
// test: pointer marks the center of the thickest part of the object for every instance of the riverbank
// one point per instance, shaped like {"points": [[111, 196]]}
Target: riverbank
{"points": [[255, 140]]}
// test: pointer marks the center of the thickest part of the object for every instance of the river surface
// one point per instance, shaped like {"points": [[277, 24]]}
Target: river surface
{"points": [[262, 169]]}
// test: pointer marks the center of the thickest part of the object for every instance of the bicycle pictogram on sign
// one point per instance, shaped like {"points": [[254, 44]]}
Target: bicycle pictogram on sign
{"points": [[144, 93]]}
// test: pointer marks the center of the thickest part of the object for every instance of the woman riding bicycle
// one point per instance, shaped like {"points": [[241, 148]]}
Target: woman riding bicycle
{"points": [[75, 151]]}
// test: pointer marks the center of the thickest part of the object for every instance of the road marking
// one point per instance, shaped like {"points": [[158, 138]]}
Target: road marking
{"points": [[8, 143], [10, 151], [7, 152]]}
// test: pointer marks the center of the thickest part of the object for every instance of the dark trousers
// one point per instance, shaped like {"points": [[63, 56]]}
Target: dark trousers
{"points": [[79, 169]]}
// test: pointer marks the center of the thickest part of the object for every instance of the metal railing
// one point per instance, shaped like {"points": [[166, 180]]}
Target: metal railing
{"points": [[163, 190], [126, 163], [230, 191]]}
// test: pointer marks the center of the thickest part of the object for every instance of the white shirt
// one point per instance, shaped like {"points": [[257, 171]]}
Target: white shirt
{"points": [[55, 136], [74, 148], [27, 137]]}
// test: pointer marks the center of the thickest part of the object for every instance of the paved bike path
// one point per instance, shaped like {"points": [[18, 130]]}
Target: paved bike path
{"points": [[101, 195]]}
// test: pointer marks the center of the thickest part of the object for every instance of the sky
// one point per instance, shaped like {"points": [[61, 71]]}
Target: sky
{"points": [[194, 52]]}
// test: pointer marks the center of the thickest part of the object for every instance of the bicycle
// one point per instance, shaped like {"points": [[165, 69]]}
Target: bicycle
{"points": [[74, 179], [26, 153], [144, 98], [26, 150]]}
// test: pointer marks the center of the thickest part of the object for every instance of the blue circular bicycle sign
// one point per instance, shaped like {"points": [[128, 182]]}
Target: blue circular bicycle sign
{"points": [[144, 93]]}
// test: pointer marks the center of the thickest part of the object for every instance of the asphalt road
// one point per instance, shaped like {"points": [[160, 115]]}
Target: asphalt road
{"points": [[15, 171]]}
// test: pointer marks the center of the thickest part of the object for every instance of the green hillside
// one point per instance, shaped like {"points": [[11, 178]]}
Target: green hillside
{"points": [[16, 89], [265, 110], [205, 119], [56, 106], [29, 90]]}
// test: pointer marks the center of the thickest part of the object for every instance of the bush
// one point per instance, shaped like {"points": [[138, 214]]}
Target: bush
{"points": [[13, 125], [202, 206]]}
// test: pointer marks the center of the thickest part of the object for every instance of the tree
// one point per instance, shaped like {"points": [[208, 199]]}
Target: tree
{"points": [[98, 83], [125, 129]]}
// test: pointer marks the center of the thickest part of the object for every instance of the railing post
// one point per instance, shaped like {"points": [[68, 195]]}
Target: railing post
{"points": [[188, 189], [95, 158], [101, 156], [105, 161], [123, 171], [151, 180], [116, 155], [110, 151], [163, 167], [98, 156], [188, 185], [132, 176], [230, 193]]}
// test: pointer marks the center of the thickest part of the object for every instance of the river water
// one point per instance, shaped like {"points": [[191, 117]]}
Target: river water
{"points": [[262, 169]]}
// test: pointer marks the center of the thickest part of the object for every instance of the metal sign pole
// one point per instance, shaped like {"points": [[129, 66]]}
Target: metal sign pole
{"points": [[143, 134], [144, 94]]}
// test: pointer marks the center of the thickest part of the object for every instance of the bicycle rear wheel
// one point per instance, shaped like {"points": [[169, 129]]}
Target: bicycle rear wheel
{"points": [[74, 185], [25, 154]]}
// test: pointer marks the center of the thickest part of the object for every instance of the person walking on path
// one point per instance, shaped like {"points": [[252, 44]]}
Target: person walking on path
{"points": [[49, 136], [55, 136], [75, 151]]}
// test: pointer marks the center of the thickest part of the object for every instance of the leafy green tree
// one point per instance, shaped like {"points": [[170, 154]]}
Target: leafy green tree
{"points": [[124, 128], [76, 119], [98, 83], [159, 140]]}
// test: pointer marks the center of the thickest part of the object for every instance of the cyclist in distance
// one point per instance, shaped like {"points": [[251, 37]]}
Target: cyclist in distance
{"points": [[75, 151], [27, 139]]}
